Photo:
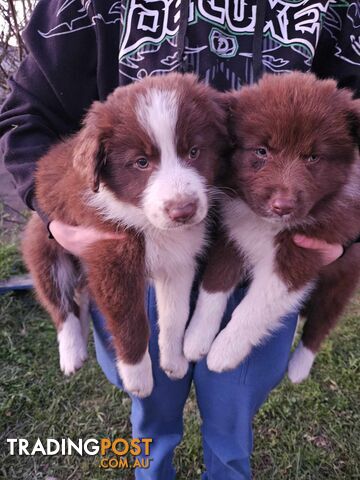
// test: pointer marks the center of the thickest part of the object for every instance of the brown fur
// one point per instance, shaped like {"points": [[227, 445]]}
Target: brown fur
{"points": [[116, 277], [295, 116], [104, 149], [336, 284], [226, 268]]}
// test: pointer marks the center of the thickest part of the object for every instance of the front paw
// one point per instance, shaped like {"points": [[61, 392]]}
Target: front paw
{"points": [[227, 352], [197, 344], [137, 378], [175, 366]]}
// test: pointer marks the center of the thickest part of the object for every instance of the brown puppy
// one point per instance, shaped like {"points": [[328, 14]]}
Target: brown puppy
{"points": [[144, 162], [295, 169]]}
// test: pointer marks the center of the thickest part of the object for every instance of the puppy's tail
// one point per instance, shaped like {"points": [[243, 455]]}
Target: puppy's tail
{"points": [[59, 286]]}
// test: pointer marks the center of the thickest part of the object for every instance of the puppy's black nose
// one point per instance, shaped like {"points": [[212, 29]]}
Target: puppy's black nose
{"points": [[182, 211], [282, 206]]}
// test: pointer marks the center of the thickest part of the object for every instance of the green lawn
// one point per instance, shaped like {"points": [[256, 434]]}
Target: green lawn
{"points": [[303, 432]]}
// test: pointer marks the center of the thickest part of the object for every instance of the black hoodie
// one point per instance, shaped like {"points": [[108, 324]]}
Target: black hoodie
{"points": [[79, 51]]}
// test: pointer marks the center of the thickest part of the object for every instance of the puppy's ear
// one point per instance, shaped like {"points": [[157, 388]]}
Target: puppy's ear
{"points": [[353, 119], [90, 144]]}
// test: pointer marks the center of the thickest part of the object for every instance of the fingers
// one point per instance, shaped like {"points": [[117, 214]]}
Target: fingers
{"points": [[329, 252], [312, 243], [76, 239]]}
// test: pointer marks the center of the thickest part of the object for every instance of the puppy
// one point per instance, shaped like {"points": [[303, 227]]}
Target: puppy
{"points": [[143, 163], [295, 169]]}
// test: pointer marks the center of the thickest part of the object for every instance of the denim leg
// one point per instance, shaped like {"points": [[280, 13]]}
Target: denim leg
{"points": [[159, 416], [228, 401]]}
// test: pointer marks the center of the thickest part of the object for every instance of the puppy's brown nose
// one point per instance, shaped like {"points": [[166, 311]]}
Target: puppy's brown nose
{"points": [[181, 211], [282, 206]]}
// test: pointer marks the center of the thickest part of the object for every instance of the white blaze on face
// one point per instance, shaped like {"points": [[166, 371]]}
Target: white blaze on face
{"points": [[157, 113]]}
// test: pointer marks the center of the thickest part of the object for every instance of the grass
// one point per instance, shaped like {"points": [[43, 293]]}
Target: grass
{"points": [[311, 431], [306, 432], [10, 261]]}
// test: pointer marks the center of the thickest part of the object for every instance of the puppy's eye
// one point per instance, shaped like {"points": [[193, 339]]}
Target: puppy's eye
{"points": [[261, 152], [194, 153], [142, 163], [312, 159]]}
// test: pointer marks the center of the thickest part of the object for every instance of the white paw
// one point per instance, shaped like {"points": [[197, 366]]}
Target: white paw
{"points": [[72, 345], [227, 352], [197, 344], [204, 324], [300, 363], [175, 366], [137, 378]]}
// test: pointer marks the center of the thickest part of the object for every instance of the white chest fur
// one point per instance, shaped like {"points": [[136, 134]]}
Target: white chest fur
{"points": [[251, 233], [169, 251]]}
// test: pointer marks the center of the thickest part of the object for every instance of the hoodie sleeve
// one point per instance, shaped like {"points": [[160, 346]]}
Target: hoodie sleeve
{"points": [[338, 51], [53, 87]]}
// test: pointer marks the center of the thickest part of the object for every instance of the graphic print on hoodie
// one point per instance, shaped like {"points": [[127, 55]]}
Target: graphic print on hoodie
{"points": [[223, 41]]}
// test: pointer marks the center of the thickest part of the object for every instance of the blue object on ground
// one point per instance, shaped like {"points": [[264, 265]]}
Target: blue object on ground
{"points": [[20, 282]]}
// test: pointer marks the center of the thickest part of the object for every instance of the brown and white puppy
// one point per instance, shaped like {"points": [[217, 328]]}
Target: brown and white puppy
{"points": [[143, 162], [295, 169]]}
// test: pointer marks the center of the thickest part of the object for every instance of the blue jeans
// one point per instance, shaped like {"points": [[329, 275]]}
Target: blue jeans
{"points": [[227, 401]]}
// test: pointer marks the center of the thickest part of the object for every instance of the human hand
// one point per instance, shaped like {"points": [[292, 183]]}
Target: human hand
{"points": [[328, 251], [76, 239]]}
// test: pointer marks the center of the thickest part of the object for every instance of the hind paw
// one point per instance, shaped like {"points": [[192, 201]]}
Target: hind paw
{"points": [[300, 363], [137, 378], [72, 346]]}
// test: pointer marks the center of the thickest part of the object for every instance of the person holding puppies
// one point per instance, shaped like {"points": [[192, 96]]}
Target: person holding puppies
{"points": [[80, 51]]}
